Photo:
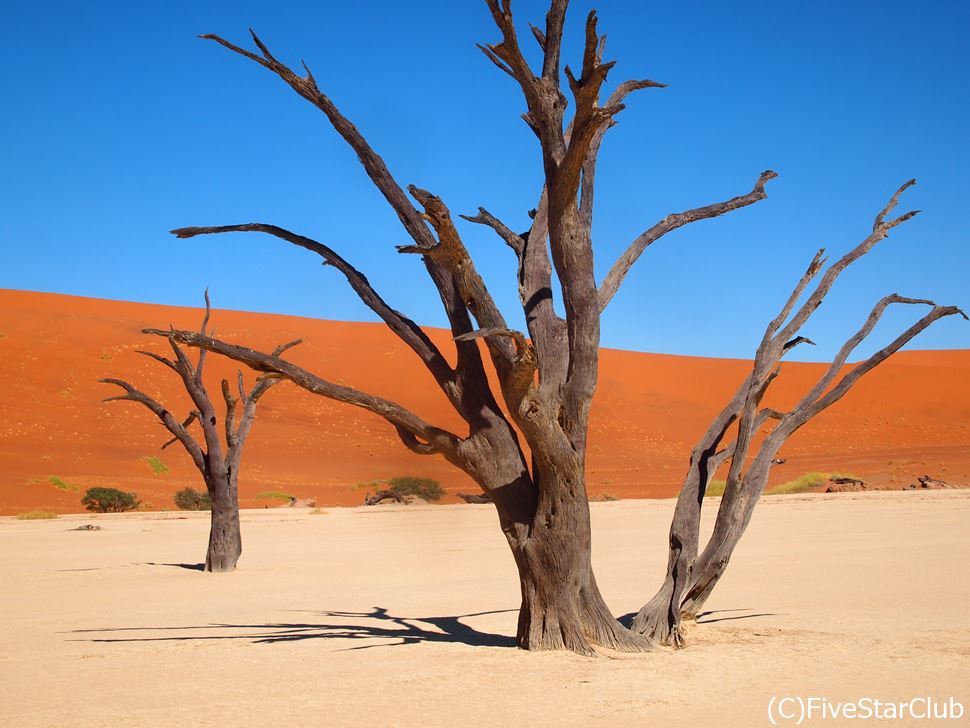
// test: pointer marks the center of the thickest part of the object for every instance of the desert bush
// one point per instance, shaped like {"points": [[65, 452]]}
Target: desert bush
{"points": [[273, 495], [109, 500], [424, 488], [190, 499], [802, 484], [603, 498], [35, 515]]}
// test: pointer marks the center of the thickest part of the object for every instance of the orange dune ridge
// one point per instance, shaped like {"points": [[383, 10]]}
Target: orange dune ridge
{"points": [[909, 417]]}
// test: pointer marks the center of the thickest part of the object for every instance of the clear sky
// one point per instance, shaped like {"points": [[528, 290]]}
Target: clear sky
{"points": [[118, 124]]}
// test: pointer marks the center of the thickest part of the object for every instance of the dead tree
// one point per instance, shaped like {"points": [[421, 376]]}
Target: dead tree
{"points": [[381, 496], [547, 375], [690, 579], [474, 498], [218, 463]]}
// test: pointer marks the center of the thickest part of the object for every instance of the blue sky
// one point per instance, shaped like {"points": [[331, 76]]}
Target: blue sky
{"points": [[119, 124]]}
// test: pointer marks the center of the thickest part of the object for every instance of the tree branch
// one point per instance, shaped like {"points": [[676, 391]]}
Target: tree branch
{"points": [[405, 329], [177, 429], [611, 284], [472, 382], [394, 413]]}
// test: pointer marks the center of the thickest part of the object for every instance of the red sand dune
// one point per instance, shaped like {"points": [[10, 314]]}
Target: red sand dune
{"points": [[907, 418]]}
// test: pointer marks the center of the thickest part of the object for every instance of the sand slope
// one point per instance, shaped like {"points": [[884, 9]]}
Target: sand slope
{"points": [[403, 617], [908, 418]]}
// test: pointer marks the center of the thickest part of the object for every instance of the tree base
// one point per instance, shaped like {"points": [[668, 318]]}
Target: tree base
{"points": [[659, 621], [580, 623]]}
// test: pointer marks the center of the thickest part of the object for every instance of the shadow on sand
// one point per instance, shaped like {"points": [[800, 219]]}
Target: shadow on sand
{"points": [[377, 624], [190, 567], [705, 617]]}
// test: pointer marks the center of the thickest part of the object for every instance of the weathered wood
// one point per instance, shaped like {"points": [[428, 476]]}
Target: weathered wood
{"points": [[546, 376], [381, 496], [690, 577], [218, 464], [475, 497]]}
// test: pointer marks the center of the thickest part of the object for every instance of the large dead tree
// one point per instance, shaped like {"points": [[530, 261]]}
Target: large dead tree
{"points": [[547, 375], [759, 435], [217, 462]]}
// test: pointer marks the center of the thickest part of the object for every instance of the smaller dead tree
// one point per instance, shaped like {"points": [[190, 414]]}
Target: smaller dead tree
{"points": [[217, 462], [759, 435]]}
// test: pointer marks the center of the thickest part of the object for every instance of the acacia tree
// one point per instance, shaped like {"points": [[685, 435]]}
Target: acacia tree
{"points": [[690, 580], [546, 376], [218, 463]]}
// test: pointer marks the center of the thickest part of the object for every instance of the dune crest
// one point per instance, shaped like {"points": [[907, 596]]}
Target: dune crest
{"points": [[908, 418]]}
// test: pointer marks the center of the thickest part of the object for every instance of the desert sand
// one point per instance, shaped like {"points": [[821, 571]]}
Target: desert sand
{"points": [[404, 616], [910, 417]]}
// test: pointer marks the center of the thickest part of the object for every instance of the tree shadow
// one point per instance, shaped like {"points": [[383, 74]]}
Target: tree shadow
{"points": [[702, 618], [627, 619], [377, 624], [190, 567]]}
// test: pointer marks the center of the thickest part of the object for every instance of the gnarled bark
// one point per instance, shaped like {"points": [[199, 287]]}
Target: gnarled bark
{"points": [[546, 379]]}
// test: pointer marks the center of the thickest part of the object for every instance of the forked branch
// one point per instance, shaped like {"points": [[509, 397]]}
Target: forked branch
{"points": [[442, 440]]}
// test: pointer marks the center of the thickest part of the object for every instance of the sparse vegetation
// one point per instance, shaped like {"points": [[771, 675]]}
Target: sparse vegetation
{"points": [[62, 485], [802, 484], [715, 489], [603, 498], [406, 485], [274, 495], [35, 515], [156, 464], [109, 500], [190, 499], [424, 488]]}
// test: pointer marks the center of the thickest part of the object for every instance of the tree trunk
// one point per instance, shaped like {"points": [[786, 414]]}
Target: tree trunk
{"points": [[225, 539], [660, 618], [562, 607]]}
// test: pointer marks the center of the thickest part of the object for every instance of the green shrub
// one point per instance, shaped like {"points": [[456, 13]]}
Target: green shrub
{"points": [[109, 500], [189, 499], [803, 484], [715, 488], [156, 464], [35, 515], [274, 495], [424, 488]]}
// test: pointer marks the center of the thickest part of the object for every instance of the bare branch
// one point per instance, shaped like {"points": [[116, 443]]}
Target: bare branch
{"points": [[193, 415], [371, 161], [454, 257], [617, 273], [286, 347], [390, 411], [880, 231], [231, 403], [159, 358], [484, 217], [893, 201], [413, 444], [171, 424], [405, 329], [466, 399], [815, 401], [205, 321]]}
